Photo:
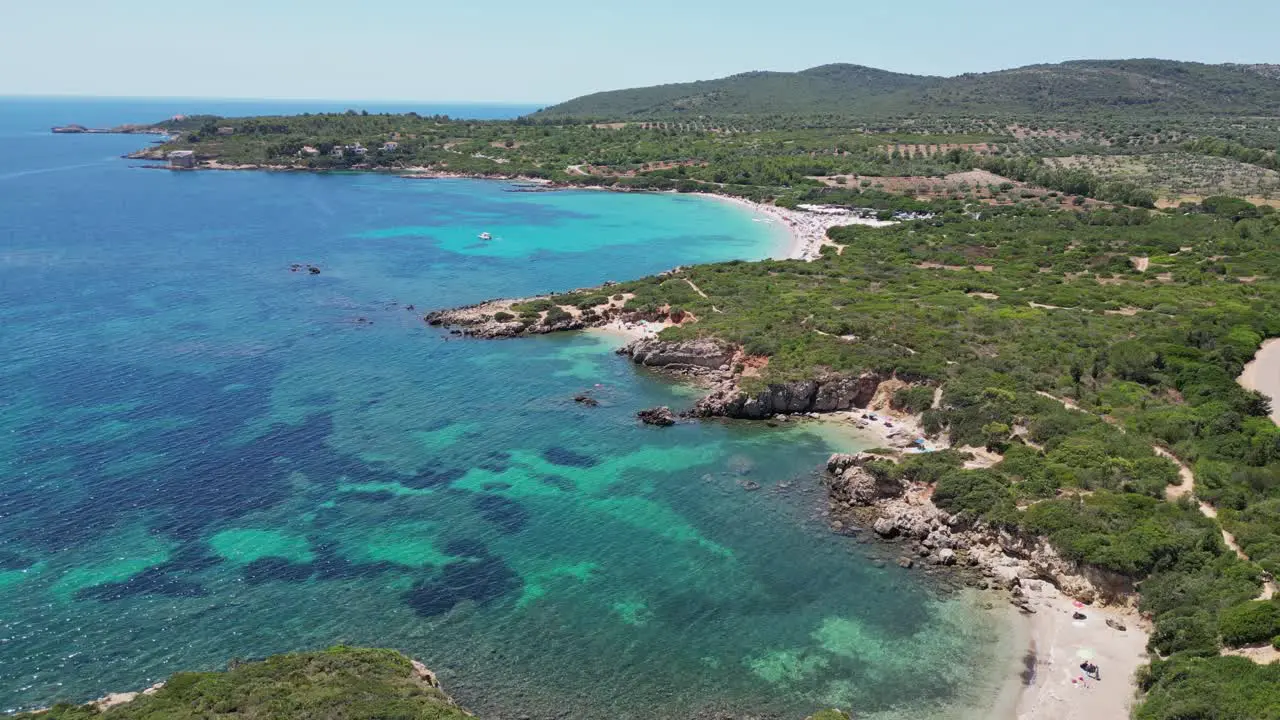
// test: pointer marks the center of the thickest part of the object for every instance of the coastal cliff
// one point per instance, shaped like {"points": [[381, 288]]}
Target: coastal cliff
{"points": [[861, 494]]}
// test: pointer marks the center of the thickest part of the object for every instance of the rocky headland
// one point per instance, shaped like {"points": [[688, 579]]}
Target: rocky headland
{"points": [[903, 512]]}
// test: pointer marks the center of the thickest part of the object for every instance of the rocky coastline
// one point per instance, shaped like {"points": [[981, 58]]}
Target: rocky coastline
{"points": [[893, 511], [903, 513]]}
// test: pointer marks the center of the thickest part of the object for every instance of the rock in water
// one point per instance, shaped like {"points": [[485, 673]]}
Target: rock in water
{"points": [[701, 354], [660, 416], [587, 400]]}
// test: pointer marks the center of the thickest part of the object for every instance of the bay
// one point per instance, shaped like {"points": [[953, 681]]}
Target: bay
{"points": [[205, 455]]}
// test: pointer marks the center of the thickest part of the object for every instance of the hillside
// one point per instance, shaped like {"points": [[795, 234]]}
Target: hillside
{"points": [[824, 89], [1136, 87]]}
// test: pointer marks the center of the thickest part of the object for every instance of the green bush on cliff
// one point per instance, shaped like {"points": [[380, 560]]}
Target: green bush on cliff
{"points": [[915, 399], [339, 684], [556, 315], [1251, 622]]}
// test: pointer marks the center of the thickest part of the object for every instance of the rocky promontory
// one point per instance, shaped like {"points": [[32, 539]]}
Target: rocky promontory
{"points": [[903, 512], [737, 388], [506, 318]]}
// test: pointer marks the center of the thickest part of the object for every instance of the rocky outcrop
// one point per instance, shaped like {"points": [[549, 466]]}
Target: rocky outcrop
{"points": [[828, 393], [697, 355], [904, 513], [660, 416], [851, 483], [498, 319]]}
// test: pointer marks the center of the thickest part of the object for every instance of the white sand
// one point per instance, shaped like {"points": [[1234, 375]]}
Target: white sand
{"points": [[627, 331], [1060, 644], [808, 230], [1263, 374]]}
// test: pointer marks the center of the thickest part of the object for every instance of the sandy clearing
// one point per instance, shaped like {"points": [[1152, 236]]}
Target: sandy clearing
{"points": [[1262, 373]]}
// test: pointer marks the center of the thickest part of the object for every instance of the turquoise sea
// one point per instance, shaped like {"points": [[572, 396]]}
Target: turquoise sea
{"points": [[205, 456]]}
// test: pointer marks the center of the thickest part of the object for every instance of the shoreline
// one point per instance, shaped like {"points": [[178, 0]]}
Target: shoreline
{"points": [[806, 232], [1048, 683], [1044, 680]]}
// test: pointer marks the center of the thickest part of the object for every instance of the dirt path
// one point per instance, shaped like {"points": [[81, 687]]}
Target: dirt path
{"points": [[695, 287], [1188, 484], [1186, 487]]}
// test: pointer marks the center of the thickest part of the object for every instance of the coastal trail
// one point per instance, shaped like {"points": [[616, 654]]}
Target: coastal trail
{"points": [[1186, 487]]}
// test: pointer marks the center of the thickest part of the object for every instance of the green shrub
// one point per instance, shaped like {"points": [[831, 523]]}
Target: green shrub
{"points": [[502, 316], [981, 492], [1251, 622], [533, 306], [555, 316], [913, 399]]}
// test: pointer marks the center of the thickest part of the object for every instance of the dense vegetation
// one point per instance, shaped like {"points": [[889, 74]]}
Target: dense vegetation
{"points": [[1139, 162], [1147, 87], [1020, 309], [337, 684]]}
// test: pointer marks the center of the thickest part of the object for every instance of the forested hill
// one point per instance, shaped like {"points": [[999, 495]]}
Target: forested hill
{"points": [[1133, 87]]}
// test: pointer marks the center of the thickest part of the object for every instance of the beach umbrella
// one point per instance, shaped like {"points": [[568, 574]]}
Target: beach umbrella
{"points": [[1086, 653]]}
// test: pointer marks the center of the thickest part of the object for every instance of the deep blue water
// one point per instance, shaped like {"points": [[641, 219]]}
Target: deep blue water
{"points": [[204, 455]]}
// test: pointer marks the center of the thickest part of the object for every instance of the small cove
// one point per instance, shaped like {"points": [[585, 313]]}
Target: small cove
{"points": [[206, 456]]}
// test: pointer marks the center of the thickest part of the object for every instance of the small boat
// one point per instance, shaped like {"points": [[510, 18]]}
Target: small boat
{"points": [[485, 236]]}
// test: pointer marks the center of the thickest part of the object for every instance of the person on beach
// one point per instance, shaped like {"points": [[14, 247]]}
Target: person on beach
{"points": [[1091, 670]]}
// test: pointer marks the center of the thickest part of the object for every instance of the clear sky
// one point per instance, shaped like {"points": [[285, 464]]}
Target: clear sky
{"points": [[544, 51]]}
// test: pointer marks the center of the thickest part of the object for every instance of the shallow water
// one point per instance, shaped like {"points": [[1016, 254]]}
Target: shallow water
{"points": [[204, 455]]}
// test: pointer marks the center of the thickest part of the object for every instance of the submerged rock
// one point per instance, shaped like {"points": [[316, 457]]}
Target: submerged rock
{"points": [[660, 416]]}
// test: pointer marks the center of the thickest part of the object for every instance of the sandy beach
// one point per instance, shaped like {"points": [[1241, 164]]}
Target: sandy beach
{"points": [[1262, 373], [1053, 685], [625, 331], [808, 230]]}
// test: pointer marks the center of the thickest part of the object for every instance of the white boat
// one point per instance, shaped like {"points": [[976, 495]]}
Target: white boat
{"points": [[485, 236]]}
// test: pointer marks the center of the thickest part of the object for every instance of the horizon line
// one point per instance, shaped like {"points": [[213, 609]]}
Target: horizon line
{"points": [[79, 96]]}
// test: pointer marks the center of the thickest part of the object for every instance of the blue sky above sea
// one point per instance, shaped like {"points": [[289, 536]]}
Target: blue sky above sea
{"points": [[550, 51]]}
